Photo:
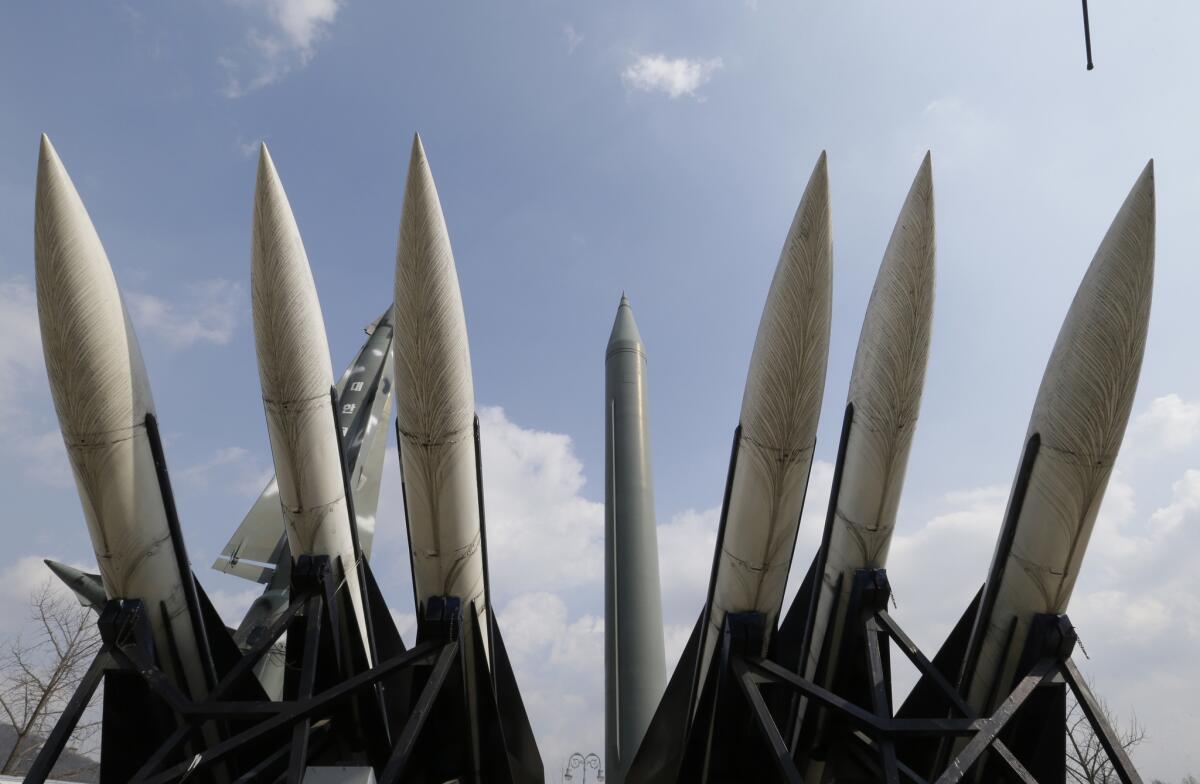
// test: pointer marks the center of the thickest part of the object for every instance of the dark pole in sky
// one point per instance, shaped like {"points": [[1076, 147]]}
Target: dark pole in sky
{"points": [[1087, 36]]}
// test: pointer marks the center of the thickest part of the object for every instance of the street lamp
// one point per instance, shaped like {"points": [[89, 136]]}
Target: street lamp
{"points": [[578, 762]]}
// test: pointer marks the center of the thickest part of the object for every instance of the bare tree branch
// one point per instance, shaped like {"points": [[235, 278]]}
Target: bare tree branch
{"points": [[38, 674], [1087, 762]]}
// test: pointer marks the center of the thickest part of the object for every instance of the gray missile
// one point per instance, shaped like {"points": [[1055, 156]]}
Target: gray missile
{"points": [[106, 414], [1075, 432], [882, 407], [634, 661], [87, 587], [778, 430], [297, 382]]}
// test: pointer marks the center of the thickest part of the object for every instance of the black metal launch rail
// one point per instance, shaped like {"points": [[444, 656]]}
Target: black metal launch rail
{"points": [[263, 740], [854, 730], [404, 713], [756, 718]]}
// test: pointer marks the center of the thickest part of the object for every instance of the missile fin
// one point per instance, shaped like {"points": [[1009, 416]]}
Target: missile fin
{"points": [[388, 641], [524, 757], [660, 756], [786, 642], [225, 652], [926, 699], [88, 587]]}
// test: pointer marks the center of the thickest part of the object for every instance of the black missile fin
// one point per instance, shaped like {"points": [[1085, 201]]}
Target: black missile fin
{"points": [[225, 652], [786, 643], [927, 700], [660, 756], [388, 642], [525, 761]]}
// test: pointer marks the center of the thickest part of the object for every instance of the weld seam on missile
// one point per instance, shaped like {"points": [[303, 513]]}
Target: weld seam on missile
{"points": [[1075, 458], [468, 549], [416, 439], [93, 439], [298, 404], [786, 455], [752, 566]]}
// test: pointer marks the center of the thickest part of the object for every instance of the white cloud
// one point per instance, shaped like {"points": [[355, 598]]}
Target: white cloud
{"points": [[541, 530], [676, 77], [20, 345], [20, 581], [1171, 424], [45, 461], [283, 36], [209, 314], [573, 39]]}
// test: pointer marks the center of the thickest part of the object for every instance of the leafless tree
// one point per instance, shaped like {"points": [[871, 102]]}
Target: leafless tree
{"points": [[39, 670], [1087, 762]]}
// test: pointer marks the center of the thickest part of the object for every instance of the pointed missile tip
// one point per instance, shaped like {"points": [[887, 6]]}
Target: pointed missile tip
{"points": [[625, 331], [266, 164], [48, 159], [418, 148]]}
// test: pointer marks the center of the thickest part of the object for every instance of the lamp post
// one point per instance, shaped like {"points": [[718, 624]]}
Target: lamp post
{"points": [[584, 763]]}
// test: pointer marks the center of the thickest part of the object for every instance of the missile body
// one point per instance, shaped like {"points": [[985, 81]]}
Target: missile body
{"points": [[102, 397], [778, 430], [1074, 435], [884, 398], [297, 380], [635, 664], [435, 404]]}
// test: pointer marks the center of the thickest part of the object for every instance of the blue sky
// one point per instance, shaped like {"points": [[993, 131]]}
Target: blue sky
{"points": [[583, 149]]}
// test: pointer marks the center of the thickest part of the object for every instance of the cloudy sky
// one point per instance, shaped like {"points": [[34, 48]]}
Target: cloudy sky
{"points": [[581, 149]]}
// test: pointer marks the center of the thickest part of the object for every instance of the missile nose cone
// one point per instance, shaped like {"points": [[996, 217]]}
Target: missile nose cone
{"points": [[1087, 391], [433, 360], [787, 369], [289, 331], [95, 368], [889, 368], [625, 335]]}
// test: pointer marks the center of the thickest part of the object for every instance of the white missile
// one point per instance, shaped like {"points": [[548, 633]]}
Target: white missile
{"points": [[435, 404], [882, 407], [102, 396], [1075, 432], [297, 379], [435, 418], [780, 409]]}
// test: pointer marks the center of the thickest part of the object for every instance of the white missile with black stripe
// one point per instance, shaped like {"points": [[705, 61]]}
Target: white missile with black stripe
{"points": [[297, 391], [438, 438], [778, 427], [1074, 435], [764, 489], [106, 413], [881, 416], [435, 405]]}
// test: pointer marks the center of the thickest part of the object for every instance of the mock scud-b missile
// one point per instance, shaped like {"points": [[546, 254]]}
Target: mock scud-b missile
{"points": [[1075, 432], [435, 405], [634, 662], [778, 427], [106, 414], [880, 419], [297, 383]]}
